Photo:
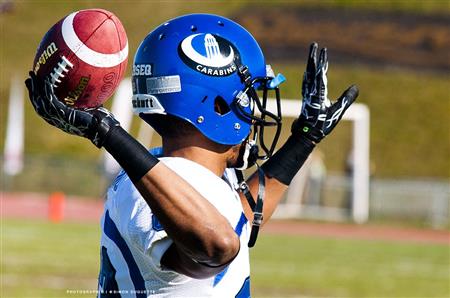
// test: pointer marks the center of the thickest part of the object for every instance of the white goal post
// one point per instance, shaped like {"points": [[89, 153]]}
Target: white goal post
{"points": [[360, 116]]}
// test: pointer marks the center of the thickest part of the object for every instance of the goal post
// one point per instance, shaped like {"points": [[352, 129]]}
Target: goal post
{"points": [[359, 115]]}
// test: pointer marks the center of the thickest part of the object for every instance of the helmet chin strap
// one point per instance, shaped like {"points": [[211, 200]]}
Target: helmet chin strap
{"points": [[248, 156], [255, 205]]}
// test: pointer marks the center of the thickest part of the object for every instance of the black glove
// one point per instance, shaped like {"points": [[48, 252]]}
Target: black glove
{"points": [[319, 116], [94, 124]]}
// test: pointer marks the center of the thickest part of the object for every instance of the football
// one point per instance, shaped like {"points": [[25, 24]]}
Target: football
{"points": [[84, 56]]}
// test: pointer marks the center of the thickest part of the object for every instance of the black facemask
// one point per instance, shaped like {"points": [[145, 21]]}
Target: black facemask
{"points": [[263, 119]]}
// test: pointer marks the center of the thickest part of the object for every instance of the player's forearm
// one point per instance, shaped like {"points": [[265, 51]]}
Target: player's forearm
{"points": [[179, 207], [274, 191], [182, 211], [288, 160], [279, 171]]}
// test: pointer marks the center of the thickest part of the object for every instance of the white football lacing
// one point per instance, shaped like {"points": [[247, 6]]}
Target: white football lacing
{"points": [[58, 72]]}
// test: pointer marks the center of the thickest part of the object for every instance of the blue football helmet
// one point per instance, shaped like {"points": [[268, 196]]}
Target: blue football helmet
{"points": [[206, 69]]}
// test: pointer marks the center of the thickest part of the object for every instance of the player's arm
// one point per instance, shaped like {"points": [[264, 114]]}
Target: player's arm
{"points": [[317, 119], [203, 245], [204, 241]]}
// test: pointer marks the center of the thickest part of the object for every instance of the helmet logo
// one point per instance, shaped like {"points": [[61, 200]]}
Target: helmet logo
{"points": [[209, 54]]}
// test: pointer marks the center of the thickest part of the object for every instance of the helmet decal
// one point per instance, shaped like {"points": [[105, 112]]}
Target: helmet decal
{"points": [[209, 54], [146, 103]]}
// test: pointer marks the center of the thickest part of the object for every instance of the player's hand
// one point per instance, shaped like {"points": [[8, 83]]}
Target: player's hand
{"points": [[93, 124], [319, 115]]}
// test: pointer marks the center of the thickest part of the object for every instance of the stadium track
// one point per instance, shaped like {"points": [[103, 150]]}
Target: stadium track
{"points": [[76, 209]]}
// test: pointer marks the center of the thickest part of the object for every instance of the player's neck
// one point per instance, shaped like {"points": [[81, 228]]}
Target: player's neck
{"points": [[210, 155], [204, 157]]}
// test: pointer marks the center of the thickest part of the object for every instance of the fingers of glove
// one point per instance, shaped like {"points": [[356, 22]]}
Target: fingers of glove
{"points": [[316, 102], [305, 85], [52, 100], [337, 110], [322, 88], [310, 73], [49, 91], [311, 67], [351, 94], [37, 84], [321, 81], [31, 81], [29, 84], [320, 111], [30, 87], [32, 84]]}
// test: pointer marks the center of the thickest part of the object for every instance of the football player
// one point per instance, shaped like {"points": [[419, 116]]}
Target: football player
{"points": [[178, 221]]}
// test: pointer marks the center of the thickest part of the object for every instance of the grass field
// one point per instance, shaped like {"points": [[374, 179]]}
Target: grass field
{"points": [[40, 259]]}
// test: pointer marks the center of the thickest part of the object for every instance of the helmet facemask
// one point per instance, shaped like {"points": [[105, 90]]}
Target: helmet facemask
{"points": [[260, 117]]}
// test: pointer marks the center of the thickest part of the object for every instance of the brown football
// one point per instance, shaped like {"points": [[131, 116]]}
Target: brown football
{"points": [[84, 56]]}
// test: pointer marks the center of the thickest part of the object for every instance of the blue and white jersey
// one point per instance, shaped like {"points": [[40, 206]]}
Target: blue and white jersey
{"points": [[133, 241]]}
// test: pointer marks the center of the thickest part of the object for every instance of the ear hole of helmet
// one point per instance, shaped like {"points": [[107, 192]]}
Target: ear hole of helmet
{"points": [[220, 106]]}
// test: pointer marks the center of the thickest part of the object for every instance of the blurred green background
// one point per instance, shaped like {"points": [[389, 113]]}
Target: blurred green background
{"points": [[395, 51]]}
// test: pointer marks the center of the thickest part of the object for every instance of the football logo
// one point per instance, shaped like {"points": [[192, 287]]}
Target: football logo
{"points": [[209, 54]]}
